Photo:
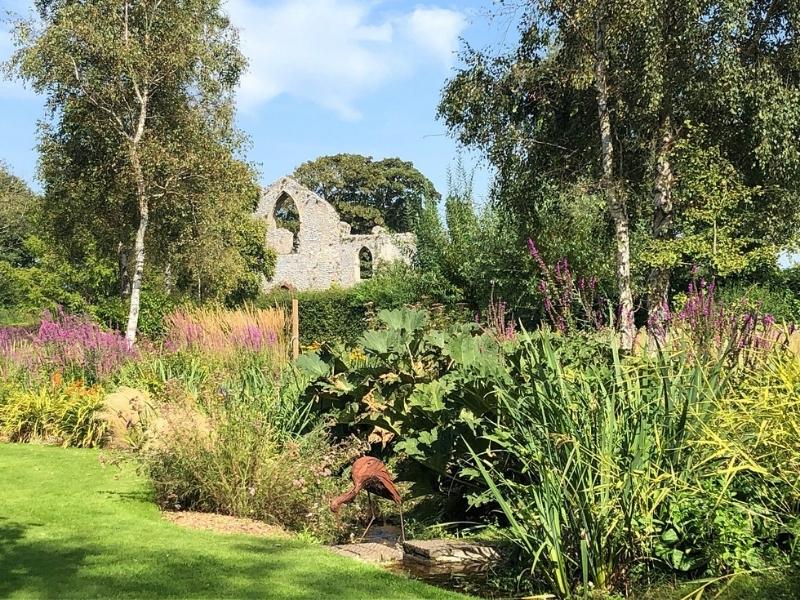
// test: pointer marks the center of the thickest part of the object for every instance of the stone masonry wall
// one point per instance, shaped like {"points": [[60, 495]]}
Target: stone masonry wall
{"points": [[327, 253]]}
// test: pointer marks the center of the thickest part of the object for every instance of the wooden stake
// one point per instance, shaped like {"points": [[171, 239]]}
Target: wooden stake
{"points": [[295, 328]]}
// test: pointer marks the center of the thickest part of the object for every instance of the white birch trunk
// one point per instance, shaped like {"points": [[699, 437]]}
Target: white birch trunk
{"points": [[138, 274], [663, 180], [614, 201], [144, 218]]}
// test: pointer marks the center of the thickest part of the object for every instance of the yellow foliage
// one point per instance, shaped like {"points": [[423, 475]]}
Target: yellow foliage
{"points": [[68, 415]]}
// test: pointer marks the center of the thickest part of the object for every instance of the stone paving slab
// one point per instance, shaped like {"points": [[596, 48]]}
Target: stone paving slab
{"points": [[450, 551], [370, 552], [432, 556]]}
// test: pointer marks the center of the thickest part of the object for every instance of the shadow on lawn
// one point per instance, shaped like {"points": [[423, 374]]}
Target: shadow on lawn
{"points": [[144, 495], [33, 566], [276, 569]]}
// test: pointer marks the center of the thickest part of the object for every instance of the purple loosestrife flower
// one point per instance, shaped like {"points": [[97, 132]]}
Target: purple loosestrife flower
{"points": [[65, 343], [536, 255], [567, 302], [715, 328], [498, 323], [251, 338]]}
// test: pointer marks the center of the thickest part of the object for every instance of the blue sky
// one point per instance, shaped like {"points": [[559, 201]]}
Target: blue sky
{"points": [[325, 76]]}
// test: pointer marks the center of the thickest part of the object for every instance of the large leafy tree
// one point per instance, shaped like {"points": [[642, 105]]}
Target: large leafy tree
{"points": [[646, 77], [710, 95], [17, 208], [544, 113], [139, 153], [367, 193]]}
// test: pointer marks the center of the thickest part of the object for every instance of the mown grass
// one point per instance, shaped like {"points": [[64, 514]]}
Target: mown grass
{"points": [[73, 528], [771, 584]]}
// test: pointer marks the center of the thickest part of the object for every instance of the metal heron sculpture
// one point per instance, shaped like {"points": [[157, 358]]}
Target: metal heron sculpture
{"points": [[370, 474]]}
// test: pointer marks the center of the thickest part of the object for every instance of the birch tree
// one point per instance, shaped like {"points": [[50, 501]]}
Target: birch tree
{"points": [[558, 89], [627, 98], [138, 144]]}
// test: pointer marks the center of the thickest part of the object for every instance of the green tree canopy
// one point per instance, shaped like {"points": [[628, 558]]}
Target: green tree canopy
{"points": [[139, 153], [17, 210], [367, 193], [701, 105]]}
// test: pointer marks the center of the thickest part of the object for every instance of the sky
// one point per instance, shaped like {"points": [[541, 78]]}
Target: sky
{"points": [[324, 77]]}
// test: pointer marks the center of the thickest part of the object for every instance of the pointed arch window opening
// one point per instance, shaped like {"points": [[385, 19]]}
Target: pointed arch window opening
{"points": [[365, 267], [287, 217]]}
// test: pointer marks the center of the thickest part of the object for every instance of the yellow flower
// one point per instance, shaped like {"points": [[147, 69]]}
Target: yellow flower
{"points": [[357, 354]]}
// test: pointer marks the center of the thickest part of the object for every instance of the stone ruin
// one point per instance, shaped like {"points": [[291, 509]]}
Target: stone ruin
{"points": [[323, 252]]}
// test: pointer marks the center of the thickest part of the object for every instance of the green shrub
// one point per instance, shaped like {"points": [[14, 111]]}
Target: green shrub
{"points": [[341, 315], [9, 287], [156, 304], [410, 389], [421, 390], [397, 285], [17, 317], [790, 278], [238, 461], [68, 416], [334, 314], [776, 299]]}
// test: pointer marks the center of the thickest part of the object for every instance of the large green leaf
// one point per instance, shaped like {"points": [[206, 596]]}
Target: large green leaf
{"points": [[312, 365], [431, 396], [463, 349], [406, 320], [378, 342]]}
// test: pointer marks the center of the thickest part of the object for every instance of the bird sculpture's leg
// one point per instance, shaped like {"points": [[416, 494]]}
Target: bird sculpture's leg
{"points": [[372, 515], [402, 525]]}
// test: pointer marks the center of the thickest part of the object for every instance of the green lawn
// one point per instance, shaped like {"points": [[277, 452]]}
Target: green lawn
{"points": [[70, 528], [770, 585]]}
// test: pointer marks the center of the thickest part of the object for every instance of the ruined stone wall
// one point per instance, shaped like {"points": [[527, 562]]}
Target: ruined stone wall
{"points": [[326, 254]]}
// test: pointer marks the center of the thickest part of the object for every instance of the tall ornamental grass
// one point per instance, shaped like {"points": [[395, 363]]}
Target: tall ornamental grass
{"points": [[248, 460], [217, 330], [239, 353], [652, 460]]}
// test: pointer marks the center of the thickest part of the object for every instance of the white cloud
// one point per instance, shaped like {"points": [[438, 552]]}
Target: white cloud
{"points": [[437, 30], [333, 52]]}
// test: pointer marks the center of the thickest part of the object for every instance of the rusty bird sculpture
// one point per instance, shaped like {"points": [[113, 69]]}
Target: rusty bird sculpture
{"points": [[370, 474]]}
